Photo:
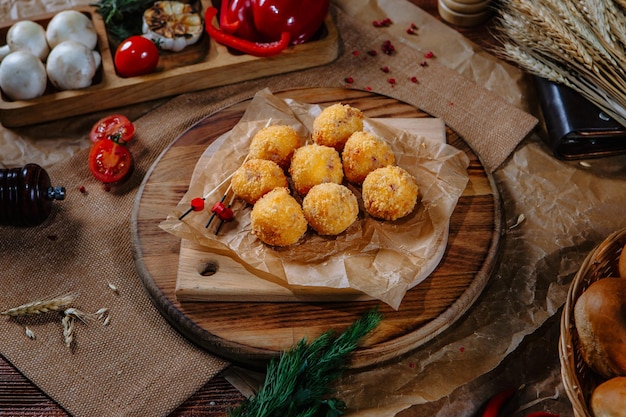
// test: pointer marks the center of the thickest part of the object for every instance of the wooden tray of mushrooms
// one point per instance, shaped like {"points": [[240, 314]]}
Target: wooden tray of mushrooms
{"points": [[202, 65]]}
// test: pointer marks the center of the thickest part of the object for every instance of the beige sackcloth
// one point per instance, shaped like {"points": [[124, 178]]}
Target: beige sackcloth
{"points": [[138, 365]]}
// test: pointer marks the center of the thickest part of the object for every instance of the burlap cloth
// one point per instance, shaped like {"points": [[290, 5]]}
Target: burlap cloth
{"points": [[138, 365]]}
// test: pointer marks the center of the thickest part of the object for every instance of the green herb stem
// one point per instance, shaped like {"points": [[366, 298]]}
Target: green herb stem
{"points": [[298, 384]]}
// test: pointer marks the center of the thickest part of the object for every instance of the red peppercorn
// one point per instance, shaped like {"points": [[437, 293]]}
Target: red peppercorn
{"points": [[414, 79], [391, 80], [355, 53], [82, 189], [429, 55], [410, 31], [384, 69], [349, 80], [387, 47], [372, 52], [423, 64]]}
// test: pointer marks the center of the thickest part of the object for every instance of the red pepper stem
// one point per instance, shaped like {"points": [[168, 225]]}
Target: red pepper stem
{"points": [[252, 48]]}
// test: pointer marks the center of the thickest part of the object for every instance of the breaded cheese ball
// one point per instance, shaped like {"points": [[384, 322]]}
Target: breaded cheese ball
{"points": [[255, 178], [389, 193], [334, 125], [275, 143], [277, 218], [330, 208], [315, 164], [363, 153]]}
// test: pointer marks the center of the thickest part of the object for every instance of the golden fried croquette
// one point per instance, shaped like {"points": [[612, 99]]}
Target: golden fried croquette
{"points": [[255, 178], [277, 218], [275, 143], [363, 153], [389, 193], [334, 125], [315, 164], [330, 208]]}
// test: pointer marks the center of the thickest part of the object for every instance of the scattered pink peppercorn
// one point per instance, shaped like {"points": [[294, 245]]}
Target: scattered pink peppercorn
{"points": [[385, 69], [355, 53], [391, 80], [413, 79], [387, 47], [429, 55], [410, 31], [382, 23], [82, 189], [372, 52], [423, 64], [349, 80], [368, 88]]}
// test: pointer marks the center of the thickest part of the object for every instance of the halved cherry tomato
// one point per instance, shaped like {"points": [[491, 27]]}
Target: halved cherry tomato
{"points": [[115, 127], [110, 162], [136, 56]]}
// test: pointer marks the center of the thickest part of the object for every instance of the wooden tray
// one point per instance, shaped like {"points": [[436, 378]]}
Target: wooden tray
{"points": [[252, 333], [204, 65]]}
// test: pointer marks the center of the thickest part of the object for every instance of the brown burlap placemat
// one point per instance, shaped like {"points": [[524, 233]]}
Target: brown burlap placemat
{"points": [[137, 365]]}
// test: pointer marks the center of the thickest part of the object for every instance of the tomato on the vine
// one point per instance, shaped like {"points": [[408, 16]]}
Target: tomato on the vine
{"points": [[110, 162], [136, 56], [115, 127]]}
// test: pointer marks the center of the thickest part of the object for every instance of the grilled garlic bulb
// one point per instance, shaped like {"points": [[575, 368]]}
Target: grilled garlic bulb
{"points": [[172, 25]]}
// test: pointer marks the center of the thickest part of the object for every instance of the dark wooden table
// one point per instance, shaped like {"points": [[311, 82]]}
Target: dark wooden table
{"points": [[20, 397]]}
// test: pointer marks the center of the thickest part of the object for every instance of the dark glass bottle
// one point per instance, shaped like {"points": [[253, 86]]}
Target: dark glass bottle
{"points": [[26, 195]]}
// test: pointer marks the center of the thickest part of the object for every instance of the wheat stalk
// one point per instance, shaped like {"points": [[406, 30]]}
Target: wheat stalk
{"points": [[68, 330], [578, 43], [43, 306]]}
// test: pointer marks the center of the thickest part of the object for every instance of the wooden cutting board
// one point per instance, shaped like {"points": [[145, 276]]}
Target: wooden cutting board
{"points": [[250, 333]]}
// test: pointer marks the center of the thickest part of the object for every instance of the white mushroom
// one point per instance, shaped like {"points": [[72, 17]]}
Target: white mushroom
{"points": [[28, 36], [71, 65], [71, 25], [22, 76]]}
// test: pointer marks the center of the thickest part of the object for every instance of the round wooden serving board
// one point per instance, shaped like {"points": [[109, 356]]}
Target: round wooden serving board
{"points": [[250, 333]]}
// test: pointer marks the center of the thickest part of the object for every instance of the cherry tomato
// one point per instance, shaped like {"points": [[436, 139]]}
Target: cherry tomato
{"points": [[110, 162], [115, 127], [136, 56]]}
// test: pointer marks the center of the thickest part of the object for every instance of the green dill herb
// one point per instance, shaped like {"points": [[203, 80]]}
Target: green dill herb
{"points": [[122, 18], [298, 384]]}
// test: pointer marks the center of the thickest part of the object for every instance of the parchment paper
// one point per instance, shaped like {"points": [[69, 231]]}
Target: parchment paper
{"points": [[380, 258]]}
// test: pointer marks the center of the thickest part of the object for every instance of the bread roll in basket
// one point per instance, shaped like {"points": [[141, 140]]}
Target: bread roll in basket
{"points": [[579, 380]]}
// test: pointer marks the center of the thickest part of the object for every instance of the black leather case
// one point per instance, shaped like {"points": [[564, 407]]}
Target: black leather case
{"points": [[576, 128]]}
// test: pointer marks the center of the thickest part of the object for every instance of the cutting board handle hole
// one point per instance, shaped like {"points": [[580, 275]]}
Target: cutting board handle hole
{"points": [[208, 268]]}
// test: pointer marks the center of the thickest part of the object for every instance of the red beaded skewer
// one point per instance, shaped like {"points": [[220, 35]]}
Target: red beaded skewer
{"points": [[197, 204]]}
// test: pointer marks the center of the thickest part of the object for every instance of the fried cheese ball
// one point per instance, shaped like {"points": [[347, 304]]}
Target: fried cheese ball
{"points": [[389, 193], [330, 208], [334, 125], [315, 164], [275, 143], [277, 218], [363, 153], [255, 178]]}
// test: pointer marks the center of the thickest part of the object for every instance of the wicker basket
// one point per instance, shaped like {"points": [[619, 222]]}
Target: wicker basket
{"points": [[578, 378]]}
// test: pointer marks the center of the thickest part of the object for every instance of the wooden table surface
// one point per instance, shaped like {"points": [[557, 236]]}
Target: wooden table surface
{"points": [[20, 397]]}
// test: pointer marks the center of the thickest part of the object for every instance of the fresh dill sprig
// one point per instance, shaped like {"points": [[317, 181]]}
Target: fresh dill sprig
{"points": [[122, 18], [298, 383]]}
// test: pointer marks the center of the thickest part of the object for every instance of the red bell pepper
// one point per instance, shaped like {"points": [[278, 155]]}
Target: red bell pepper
{"points": [[262, 22], [243, 45]]}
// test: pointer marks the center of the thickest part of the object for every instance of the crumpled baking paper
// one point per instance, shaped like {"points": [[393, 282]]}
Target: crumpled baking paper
{"points": [[379, 258]]}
